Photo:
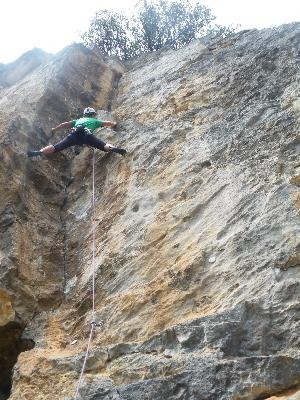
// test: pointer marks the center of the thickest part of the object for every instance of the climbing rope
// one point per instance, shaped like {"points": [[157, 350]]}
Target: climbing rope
{"points": [[84, 362], [94, 226], [93, 323]]}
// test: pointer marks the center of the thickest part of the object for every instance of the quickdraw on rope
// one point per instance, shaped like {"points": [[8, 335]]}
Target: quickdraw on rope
{"points": [[93, 323]]}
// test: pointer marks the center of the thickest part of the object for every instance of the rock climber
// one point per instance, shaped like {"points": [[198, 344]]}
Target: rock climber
{"points": [[81, 133]]}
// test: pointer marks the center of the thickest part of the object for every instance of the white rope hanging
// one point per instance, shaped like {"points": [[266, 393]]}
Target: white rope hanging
{"points": [[93, 323]]}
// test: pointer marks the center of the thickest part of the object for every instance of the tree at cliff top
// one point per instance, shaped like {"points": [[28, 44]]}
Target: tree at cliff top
{"points": [[152, 25]]}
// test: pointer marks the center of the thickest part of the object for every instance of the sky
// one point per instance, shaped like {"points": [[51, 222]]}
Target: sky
{"points": [[53, 24]]}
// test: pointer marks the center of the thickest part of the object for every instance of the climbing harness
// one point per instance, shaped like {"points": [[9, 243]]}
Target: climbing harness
{"points": [[94, 324]]}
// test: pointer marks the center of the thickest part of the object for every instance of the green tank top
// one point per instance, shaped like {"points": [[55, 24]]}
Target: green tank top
{"points": [[90, 123]]}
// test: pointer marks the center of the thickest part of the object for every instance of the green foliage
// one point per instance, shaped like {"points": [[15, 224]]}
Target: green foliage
{"points": [[173, 24], [110, 32], [153, 25]]}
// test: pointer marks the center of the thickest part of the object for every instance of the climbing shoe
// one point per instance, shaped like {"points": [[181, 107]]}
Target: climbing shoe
{"points": [[119, 151], [34, 153]]}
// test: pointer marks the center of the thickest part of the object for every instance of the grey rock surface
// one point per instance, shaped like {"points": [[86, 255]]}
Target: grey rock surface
{"points": [[197, 233]]}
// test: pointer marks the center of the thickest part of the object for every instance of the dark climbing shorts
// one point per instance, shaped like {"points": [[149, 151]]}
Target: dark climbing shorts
{"points": [[79, 138]]}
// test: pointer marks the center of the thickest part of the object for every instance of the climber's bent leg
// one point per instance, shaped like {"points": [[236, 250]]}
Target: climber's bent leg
{"points": [[69, 141], [33, 153], [77, 138], [48, 150], [91, 140], [118, 150], [108, 147]]}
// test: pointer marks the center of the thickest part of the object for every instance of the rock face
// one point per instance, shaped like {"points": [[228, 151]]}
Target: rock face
{"points": [[14, 72], [197, 231]]}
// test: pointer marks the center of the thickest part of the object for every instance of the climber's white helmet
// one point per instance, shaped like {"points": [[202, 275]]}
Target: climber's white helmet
{"points": [[89, 111]]}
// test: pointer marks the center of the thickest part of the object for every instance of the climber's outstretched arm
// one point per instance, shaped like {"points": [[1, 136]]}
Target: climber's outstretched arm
{"points": [[63, 125], [109, 123]]}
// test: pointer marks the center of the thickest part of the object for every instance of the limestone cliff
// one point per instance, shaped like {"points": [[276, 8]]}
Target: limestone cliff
{"points": [[197, 232]]}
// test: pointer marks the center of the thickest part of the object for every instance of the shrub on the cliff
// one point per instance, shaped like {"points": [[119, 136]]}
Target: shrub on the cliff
{"points": [[153, 24], [174, 24], [111, 33]]}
